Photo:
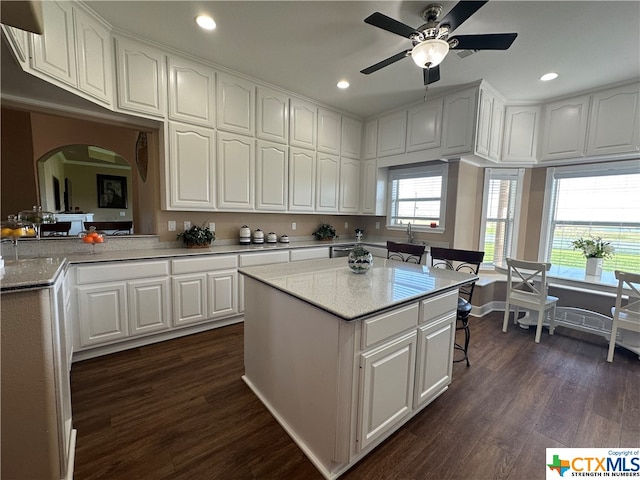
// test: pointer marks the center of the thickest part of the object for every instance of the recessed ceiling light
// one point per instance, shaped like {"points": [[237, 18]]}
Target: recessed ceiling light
{"points": [[549, 76], [343, 84], [206, 22]]}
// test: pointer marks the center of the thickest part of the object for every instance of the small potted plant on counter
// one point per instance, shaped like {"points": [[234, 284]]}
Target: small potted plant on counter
{"points": [[325, 232], [197, 236]]}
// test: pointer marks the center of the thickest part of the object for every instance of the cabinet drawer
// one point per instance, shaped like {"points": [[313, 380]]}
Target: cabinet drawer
{"points": [[121, 271], [389, 324], [309, 253], [203, 264], [435, 307], [253, 259]]}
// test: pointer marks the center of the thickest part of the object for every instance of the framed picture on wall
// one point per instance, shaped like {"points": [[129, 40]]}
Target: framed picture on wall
{"points": [[112, 191]]}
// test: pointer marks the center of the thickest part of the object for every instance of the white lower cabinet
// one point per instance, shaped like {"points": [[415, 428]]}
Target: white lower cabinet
{"points": [[148, 302], [387, 378], [189, 298], [102, 312]]}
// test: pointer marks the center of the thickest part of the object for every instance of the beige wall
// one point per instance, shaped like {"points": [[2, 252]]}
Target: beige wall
{"points": [[530, 227], [470, 180]]}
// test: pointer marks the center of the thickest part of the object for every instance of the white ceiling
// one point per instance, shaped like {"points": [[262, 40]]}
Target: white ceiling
{"points": [[308, 46]]}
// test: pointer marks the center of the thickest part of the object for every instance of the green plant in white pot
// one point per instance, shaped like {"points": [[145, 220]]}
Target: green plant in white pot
{"points": [[197, 236]]}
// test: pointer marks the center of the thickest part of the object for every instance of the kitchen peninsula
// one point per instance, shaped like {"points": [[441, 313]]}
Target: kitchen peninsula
{"points": [[341, 359]]}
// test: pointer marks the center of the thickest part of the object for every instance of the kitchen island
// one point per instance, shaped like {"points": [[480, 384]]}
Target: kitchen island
{"points": [[342, 360]]}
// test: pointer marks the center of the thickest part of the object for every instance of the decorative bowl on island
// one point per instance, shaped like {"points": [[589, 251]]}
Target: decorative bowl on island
{"points": [[360, 259]]}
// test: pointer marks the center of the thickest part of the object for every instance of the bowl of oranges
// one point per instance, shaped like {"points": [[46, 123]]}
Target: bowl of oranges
{"points": [[14, 229], [92, 237]]}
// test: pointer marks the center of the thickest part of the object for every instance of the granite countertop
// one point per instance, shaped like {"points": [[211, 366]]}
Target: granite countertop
{"points": [[30, 273], [333, 287]]}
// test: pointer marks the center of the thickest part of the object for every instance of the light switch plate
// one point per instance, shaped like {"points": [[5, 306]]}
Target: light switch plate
{"points": [[212, 226], [187, 225], [377, 225], [171, 225], [346, 224], [294, 226]]}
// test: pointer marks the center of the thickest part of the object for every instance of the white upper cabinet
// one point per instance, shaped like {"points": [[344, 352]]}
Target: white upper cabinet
{"points": [[424, 126], [19, 41], [54, 52], [489, 130], [392, 133], [272, 115], [236, 171], [141, 78], [370, 141], [349, 185], [191, 175], [521, 133], [458, 122], [329, 131], [351, 137], [272, 162], [614, 125], [192, 90], [327, 182], [302, 175], [565, 128], [95, 57], [235, 105], [302, 123], [368, 170]]}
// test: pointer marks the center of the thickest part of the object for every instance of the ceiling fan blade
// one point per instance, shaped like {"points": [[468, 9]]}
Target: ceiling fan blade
{"points": [[431, 75], [489, 41], [460, 13], [384, 63], [380, 20]]}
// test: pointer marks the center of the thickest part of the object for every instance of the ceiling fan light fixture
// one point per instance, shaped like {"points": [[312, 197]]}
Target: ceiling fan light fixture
{"points": [[429, 53]]}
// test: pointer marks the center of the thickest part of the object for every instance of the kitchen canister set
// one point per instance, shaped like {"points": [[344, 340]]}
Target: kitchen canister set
{"points": [[258, 237]]}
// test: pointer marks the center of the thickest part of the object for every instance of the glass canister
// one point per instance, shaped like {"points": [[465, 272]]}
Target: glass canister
{"points": [[92, 237], [37, 217], [13, 229], [360, 259]]}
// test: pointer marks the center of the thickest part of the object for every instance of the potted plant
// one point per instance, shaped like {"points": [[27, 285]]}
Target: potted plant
{"points": [[325, 232], [594, 249], [360, 259], [197, 236]]}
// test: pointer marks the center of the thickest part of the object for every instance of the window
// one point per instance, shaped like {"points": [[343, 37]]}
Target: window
{"points": [[501, 202], [417, 196], [593, 200]]}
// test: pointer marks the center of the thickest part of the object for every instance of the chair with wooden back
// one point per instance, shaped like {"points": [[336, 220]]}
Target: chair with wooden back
{"points": [[527, 287], [625, 317], [111, 228], [466, 261], [55, 229], [405, 252]]}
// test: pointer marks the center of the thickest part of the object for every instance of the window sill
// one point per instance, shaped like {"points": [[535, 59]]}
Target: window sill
{"points": [[416, 229]]}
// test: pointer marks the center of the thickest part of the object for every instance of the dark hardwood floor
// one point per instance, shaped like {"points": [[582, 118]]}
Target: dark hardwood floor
{"points": [[179, 410]]}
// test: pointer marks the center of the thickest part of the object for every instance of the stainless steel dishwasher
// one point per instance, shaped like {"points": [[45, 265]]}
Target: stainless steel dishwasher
{"points": [[341, 251]]}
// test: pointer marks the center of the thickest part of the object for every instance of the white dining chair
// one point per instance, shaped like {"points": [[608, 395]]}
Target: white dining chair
{"points": [[625, 317], [527, 287]]}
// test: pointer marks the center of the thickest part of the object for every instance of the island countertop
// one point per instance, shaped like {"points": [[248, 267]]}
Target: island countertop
{"points": [[329, 284]]}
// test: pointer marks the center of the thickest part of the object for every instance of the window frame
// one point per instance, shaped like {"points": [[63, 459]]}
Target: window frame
{"points": [[516, 174], [574, 171], [427, 170]]}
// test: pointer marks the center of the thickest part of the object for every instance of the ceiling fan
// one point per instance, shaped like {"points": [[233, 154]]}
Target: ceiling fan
{"points": [[431, 41]]}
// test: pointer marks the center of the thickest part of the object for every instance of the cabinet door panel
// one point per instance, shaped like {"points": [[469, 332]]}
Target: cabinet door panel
{"points": [[351, 138], [614, 122], [142, 78], [102, 313], [271, 176], [148, 305], [54, 52], [424, 126], [458, 122], [95, 58], [435, 358], [191, 92], [565, 128], [329, 131], [235, 105], [386, 388], [236, 165], [328, 172], [191, 167], [189, 299], [302, 166], [303, 117], [368, 188], [370, 142], [483, 132], [521, 133], [392, 134], [349, 185], [223, 293], [272, 115]]}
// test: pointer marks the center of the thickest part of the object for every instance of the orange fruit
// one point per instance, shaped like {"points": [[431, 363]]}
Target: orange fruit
{"points": [[99, 239], [87, 239]]}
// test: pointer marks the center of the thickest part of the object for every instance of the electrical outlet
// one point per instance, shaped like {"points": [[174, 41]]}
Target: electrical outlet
{"points": [[346, 225], [123, 214], [377, 225], [294, 226], [187, 225], [171, 225], [212, 226]]}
